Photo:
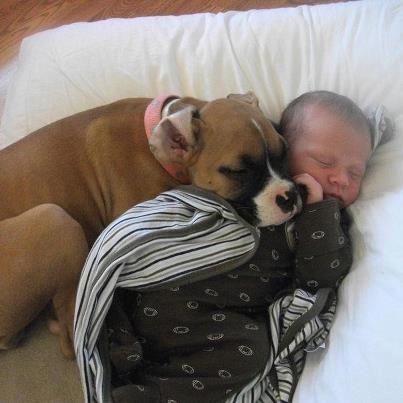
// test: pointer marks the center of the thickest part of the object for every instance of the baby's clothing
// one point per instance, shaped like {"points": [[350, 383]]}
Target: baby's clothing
{"points": [[204, 341]]}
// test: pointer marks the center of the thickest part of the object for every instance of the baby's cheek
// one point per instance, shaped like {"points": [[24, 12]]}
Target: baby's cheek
{"points": [[353, 193]]}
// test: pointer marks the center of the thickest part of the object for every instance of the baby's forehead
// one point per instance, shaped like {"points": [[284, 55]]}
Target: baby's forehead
{"points": [[314, 111]]}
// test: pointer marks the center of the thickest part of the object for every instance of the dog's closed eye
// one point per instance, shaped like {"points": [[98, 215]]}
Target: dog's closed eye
{"points": [[248, 167], [233, 172]]}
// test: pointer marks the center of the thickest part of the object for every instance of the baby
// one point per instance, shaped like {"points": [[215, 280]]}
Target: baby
{"points": [[330, 143]]}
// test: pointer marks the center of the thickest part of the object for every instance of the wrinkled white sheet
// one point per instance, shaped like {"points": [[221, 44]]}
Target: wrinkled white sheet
{"points": [[353, 48]]}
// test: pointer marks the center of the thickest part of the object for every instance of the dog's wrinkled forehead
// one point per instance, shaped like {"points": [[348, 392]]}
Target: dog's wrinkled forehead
{"points": [[241, 150], [243, 127]]}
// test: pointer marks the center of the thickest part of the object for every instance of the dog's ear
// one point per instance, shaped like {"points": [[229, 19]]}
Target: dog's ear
{"points": [[249, 98], [185, 102], [175, 138]]}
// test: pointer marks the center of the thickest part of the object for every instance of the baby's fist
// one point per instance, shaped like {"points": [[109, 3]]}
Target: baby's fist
{"points": [[313, 187]]}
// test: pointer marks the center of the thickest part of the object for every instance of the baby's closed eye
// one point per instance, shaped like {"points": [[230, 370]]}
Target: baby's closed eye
{"points": [[355, 174], [323, 161]]}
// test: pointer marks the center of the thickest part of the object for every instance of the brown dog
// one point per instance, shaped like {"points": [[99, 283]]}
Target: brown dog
{"points": [[64, 183]]}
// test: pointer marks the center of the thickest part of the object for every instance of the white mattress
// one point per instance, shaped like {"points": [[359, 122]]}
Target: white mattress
{"points": [[353, 48]]}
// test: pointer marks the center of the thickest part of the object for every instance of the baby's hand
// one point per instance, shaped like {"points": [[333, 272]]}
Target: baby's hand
{"points": [[313, 187]]}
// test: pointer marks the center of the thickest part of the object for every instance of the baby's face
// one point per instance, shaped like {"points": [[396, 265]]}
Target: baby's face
{"points": [[332, 151]]}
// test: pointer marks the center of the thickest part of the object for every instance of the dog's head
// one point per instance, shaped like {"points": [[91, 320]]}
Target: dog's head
{"points": [[228, 146]]}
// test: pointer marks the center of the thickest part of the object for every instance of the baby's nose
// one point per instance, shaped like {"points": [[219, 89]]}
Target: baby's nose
{"points": [[339, 177]]}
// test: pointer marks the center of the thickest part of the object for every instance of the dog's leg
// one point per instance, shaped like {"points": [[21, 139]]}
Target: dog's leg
{"points": [[42, 252]]}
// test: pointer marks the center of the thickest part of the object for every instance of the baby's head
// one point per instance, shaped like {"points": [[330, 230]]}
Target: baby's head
{"points": [[330, 139]]}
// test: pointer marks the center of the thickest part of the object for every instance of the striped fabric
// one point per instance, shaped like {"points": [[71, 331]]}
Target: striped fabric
{"points": [[179, 237], [299, 323]]}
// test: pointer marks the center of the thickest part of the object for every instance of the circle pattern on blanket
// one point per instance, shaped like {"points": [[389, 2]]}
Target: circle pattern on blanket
{"points": [[222, 373], [148, 311], [254, 267], [318, 235], [218, 317], [244, 297], [312, 283], [188, 369], [197, 384], [215, 336], [210, 291], [192, 304], [181, 330], [245, 350], [251, 326]]}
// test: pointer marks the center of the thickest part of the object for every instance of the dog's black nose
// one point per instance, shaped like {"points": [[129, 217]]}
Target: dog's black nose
{"points": [[287, 202]]}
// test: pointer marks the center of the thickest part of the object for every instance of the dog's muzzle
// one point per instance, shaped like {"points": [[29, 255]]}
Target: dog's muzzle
{"points": [[289, 201], [278, 202]]}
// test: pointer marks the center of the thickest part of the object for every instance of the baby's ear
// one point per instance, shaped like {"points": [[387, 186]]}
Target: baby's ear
{"points": [[175, 138]]}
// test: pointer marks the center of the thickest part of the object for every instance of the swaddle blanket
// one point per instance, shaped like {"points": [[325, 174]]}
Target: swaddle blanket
{"points": [[183, 236]]}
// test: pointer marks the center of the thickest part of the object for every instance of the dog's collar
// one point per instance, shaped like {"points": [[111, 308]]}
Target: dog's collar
{"points": [[152, 117]]}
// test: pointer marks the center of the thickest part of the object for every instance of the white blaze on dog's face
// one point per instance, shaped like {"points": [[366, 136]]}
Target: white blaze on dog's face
{"points": [[278, 191], [231, 148]]}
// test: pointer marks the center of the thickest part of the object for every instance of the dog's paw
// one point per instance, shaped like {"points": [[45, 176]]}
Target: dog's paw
{"points": [[62, 324], [65, 337]]}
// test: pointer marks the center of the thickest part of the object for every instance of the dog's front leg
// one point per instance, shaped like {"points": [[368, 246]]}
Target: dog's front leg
{"points": [[42, 252]]}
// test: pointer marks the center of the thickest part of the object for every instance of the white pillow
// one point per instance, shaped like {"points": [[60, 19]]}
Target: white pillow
{"points": [[363, 358], [351, 48]]}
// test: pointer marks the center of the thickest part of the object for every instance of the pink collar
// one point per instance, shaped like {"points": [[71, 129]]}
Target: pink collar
{"points": [[152, 117]]}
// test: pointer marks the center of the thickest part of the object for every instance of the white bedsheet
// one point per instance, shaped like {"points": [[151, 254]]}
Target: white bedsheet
{"points": [[354, 48]]}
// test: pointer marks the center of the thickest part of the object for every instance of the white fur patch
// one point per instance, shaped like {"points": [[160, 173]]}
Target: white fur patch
{"points": [[268, 211]]}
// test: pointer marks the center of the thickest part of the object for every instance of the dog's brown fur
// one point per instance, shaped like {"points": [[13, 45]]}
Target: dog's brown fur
{"points": [[61, 185]]}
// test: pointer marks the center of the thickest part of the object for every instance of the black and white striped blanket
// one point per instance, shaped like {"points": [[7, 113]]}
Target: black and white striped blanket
{"points": [[188, 235]]}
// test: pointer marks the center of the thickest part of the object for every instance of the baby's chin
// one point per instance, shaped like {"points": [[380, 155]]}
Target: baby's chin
{"points": [[340, 201]]}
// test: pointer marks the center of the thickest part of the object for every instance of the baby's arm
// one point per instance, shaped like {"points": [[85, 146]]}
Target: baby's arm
{"points": [[323, 252]]}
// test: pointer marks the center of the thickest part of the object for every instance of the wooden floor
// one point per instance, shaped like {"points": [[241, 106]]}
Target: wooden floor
{"points": [[20, 18]]}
